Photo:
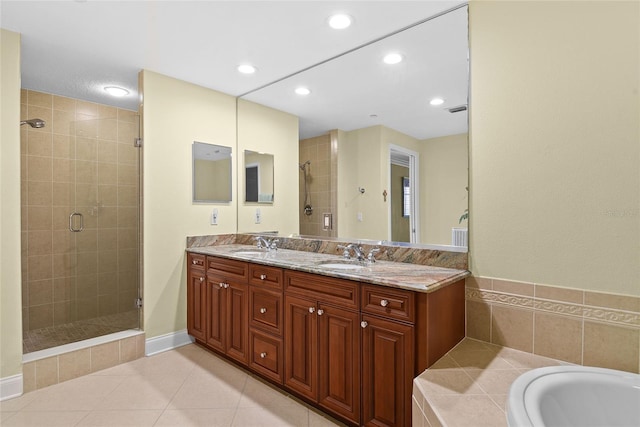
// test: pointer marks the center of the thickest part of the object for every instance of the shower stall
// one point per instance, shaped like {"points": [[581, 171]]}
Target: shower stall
{"points": [[80, 203]]}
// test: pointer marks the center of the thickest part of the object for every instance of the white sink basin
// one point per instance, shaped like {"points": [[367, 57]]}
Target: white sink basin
{"points": [[340, 266]]}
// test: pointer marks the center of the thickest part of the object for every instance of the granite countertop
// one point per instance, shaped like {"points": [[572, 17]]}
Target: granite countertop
{"points": [[413, 277]]}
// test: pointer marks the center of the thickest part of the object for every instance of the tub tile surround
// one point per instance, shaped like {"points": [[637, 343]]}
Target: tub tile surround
{"points": [[469, 385], [572, 325], [404, 254]]}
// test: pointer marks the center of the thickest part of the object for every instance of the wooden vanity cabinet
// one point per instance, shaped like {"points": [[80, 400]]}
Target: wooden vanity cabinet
{"points": [[322, 342], [349, 348], [217, 298], [196, 296], [266, 322], [388, 317]]}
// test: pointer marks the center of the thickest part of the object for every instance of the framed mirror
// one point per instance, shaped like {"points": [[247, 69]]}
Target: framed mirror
{"points": [[258, 173], [211, 173]]}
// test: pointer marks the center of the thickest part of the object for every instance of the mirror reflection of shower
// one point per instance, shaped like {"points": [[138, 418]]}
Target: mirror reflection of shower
{"points": [[34, 123], [308, 209]]}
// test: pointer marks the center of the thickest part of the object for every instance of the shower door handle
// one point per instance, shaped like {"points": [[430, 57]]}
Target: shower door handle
{"points": [[72, 222]]}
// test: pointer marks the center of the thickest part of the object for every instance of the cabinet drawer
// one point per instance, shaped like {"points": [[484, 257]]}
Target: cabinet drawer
{"points": [[265, 310], [321, 288], [227, 268], [262, 275], [196, 260], [392, 303], [266, 355]]}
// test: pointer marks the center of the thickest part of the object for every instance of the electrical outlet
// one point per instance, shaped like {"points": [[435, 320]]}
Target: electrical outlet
{"points": [[214, 217], [258, 216]]}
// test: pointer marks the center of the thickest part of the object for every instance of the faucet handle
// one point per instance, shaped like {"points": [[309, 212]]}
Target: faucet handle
{"points": [[370, 257], [345, 250], [273, 244]]}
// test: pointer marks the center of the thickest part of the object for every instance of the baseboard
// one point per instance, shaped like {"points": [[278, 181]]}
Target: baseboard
{"points": [[166, 342], [11, 387]]}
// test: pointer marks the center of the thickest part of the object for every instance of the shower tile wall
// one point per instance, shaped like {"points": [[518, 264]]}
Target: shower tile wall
{"points": [[321, 176], [83, 160]]}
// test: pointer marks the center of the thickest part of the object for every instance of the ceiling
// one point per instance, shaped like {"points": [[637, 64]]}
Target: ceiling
{"points": [[75, 48]]}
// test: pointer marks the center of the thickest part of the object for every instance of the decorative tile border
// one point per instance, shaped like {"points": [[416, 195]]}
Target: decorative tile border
{"points": [[600, 314]]}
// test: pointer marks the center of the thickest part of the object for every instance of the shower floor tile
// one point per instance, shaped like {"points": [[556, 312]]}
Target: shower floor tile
{"points": [[53, 336]]}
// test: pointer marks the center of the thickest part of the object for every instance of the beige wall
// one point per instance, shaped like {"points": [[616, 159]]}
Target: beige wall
{"points": [[175, 114], [264, 129], [371, 171], [10, 275], [443, 178], [555, 158]]}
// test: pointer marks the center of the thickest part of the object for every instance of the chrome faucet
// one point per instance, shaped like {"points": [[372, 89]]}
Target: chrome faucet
{"points": [[373, 251], [358, 252], [268, 244]]}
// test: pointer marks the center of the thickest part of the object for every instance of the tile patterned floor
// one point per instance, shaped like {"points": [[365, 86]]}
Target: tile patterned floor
{"points": [[184, 387], [39, 339]]}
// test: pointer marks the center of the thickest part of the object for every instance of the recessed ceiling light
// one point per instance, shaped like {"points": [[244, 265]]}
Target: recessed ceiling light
{"points": [[247, 69], [116, 91], [392, 58], [436, 101], [339, 21], [302, 91]]}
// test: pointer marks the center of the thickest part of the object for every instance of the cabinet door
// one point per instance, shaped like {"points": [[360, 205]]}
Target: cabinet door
{"points": [[301, 346], [387, 372], [339, 361], [237, 327], [216, 314], [197, 304]]}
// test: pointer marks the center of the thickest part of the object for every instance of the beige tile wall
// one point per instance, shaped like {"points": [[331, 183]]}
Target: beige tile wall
{"points": [[577, 326], [321, 176], [83, 160], [56, 369]]}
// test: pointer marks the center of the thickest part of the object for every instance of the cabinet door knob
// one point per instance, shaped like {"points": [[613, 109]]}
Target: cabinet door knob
{"points": [[263, 310], [226, 285], [263, 355], [263, 276], [202, 279], [320, 312], [364, 324], [312, 309], [384, 302], [221, 285]]}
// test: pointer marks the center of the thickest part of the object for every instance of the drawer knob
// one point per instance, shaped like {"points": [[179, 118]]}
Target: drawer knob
{"points": [[263, 310], [320, 312], [384, 302], [263, 276], [202, 279], [263, 355], [194, 262], [312, 309], [364, 324]]}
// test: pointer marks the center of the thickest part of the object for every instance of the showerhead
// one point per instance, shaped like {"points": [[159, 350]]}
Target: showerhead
{"points": [[304, 165], [34, 123]]}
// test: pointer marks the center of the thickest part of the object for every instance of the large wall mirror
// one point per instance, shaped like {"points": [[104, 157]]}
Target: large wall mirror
{"points": [[258, 177], [366, 125], [211, 173]]}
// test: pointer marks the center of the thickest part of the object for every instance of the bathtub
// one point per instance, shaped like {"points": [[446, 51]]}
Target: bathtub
{"points": [[574, 396]]}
